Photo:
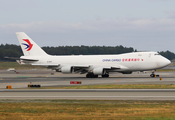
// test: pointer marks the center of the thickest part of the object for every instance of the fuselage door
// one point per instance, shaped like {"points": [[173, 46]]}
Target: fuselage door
{"points": [[139, 54], [149, 55]]}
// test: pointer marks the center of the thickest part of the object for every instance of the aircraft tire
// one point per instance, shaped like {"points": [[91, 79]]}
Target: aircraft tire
{"points": [[88, 76], [152, 75], [105, 75], [95, 76], [91, 75]]}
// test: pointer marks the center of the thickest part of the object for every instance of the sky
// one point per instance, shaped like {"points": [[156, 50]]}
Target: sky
{"points": [[145, 25]]}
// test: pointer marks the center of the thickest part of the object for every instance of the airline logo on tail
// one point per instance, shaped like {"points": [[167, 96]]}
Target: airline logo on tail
{"points": [[28, 45]]}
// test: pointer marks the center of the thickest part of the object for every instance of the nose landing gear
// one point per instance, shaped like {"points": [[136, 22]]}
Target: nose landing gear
{"points": [[153, 75]]}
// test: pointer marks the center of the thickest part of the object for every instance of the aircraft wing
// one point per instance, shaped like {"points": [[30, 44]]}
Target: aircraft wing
{"points": [[48, 65], [12, 58], [85, 68], [78, 68], [111, 67], [57, 65], [114, 67]]}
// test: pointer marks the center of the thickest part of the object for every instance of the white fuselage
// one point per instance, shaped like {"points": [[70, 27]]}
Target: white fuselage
{"points": [[136, 61]]}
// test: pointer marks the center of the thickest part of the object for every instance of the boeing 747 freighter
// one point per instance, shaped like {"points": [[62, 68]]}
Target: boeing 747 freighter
{"points": [[92, 65]]}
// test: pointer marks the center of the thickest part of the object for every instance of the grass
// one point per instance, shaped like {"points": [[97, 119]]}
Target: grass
{"points": [[117, 86], [82, 110], [6, 65]]}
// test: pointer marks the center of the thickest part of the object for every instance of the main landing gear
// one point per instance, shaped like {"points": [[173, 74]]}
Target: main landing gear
{"points": [[91, 75], [105, 75]]}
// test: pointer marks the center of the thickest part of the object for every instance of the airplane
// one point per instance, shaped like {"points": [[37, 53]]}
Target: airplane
{"points": [[92, 65]]}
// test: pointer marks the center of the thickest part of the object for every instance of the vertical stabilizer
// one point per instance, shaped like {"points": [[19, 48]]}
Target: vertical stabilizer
{"points": [[28, 46]]}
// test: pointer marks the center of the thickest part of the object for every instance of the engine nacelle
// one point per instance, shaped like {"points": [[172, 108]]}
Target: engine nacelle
{"points": [[67, 69], [98, 71]]}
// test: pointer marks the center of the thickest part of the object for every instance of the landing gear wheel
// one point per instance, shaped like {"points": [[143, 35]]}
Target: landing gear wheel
{"points": [[152, 75], [105, 75], [88, 76], [91, 75]]}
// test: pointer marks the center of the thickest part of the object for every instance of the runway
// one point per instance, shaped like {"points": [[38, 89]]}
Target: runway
{"points": [[19, 83], [44, 78], [60, 81], [93, 94]]}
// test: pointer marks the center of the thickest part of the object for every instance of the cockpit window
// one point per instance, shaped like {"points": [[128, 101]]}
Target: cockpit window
{"points": [[157, 54]]}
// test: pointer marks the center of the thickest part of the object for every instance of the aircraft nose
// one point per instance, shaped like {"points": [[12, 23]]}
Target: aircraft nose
{"points": [[168, 62], [165, 62]]}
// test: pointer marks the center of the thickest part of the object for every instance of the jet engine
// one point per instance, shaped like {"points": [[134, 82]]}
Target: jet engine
{"points": [[67, 69], [98, 71]]}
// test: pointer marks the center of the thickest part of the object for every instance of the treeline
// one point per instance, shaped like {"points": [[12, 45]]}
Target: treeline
{"points": [[86, 50], [10, 51], [168, 55], [15, 51]]}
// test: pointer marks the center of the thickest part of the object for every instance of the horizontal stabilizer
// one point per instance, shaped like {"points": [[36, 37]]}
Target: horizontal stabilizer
{"points": [[12, 58], [28, 59], [25, 59]]}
